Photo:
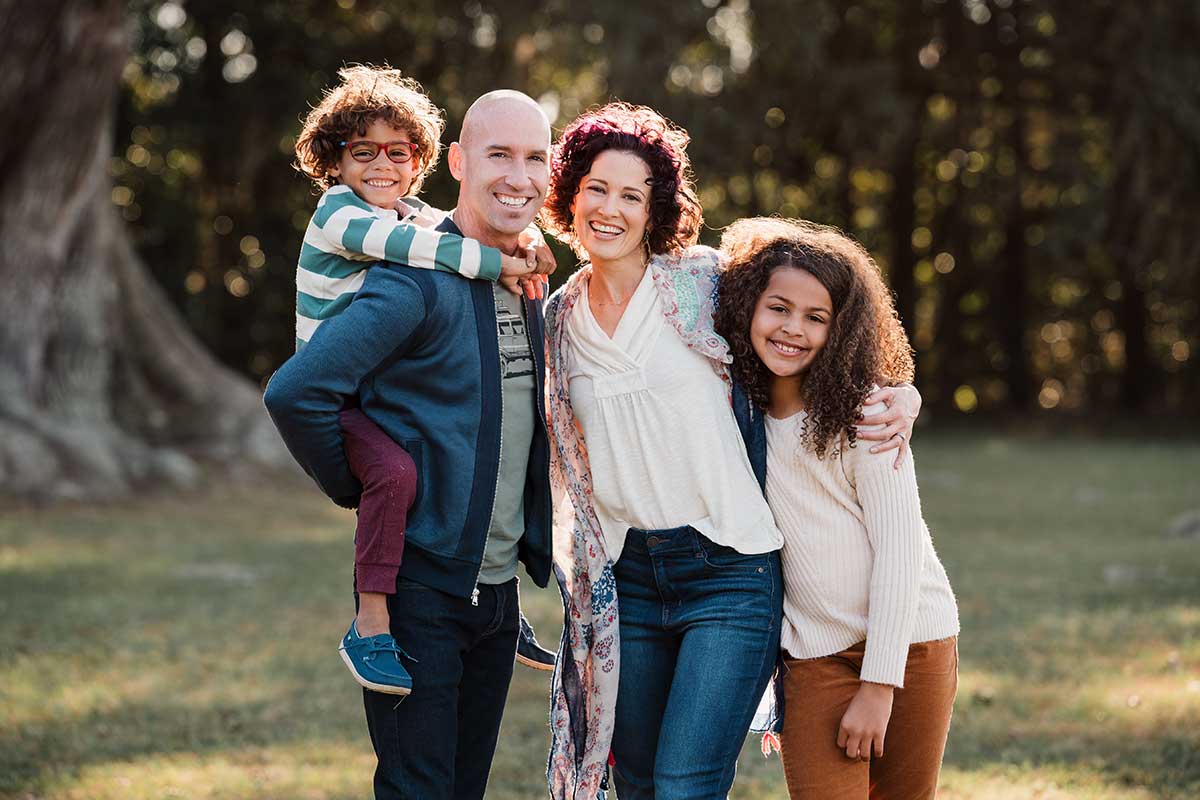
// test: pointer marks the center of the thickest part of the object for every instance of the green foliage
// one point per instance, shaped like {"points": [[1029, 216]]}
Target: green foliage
{"points": [[1025, 171], [185, 647]]}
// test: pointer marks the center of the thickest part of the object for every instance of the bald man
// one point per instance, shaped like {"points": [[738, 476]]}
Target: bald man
{"points": [[452, 370]]}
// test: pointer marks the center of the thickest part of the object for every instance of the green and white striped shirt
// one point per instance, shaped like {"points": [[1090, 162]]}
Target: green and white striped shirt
{"points": [[347, 234]]}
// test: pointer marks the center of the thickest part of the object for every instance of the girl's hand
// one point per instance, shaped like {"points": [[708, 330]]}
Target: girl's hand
{"points": [[865, 721], [903, 405]]}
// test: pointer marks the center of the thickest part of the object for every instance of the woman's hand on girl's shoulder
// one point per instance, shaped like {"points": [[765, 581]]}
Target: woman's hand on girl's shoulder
{"points": [[865, 722], [892, 427]]}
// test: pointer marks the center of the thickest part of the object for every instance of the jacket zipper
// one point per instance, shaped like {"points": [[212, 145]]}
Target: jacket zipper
{"points": [[539, 402], [499, 455]]}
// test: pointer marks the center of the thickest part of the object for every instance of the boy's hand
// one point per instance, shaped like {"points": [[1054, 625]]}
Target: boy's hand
{"points": [[538, 253], [541, 258], [515, 266], [865, 722], [903, 405], [422, 218]]}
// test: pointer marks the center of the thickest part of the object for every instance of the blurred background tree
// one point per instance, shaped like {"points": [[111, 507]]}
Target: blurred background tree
{"points": [[102, 385], [1026, 172]]}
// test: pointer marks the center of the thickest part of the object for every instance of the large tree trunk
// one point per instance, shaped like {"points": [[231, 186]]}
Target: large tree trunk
{"points": [[102, 387]]}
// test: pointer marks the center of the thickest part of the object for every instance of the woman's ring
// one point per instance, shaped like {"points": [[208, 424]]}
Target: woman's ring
{"points": [[901, 435]]}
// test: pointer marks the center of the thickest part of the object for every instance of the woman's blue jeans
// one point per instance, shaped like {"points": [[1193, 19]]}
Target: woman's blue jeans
{"points": [[699, 641]]}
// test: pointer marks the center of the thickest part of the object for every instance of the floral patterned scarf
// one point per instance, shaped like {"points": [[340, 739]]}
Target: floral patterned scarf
{"points": [[584, 692]]}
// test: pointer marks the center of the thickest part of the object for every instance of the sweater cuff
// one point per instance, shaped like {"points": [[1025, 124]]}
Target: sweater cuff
{"points": [[884, 665], [489, 264]]}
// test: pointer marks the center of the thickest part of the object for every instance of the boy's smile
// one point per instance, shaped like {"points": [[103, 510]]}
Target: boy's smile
{"points": [[381, 181]]}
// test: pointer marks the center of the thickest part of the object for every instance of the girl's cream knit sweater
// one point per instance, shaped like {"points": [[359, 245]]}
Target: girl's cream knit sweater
{"points": [[858, 561]]}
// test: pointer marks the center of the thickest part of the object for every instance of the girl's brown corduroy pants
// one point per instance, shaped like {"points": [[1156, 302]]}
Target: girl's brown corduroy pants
{"points": [[817, 692]]}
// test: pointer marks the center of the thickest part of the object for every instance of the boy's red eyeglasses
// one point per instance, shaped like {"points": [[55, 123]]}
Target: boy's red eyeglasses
{"points": [[365, 150]]}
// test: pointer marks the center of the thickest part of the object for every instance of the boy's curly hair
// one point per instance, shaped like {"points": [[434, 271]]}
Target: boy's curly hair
{"points": [[866, 344], [368, 94], [675, 213]]}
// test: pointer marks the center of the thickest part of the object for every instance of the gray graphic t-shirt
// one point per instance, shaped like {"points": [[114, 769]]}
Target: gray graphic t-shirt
{"points": [[516, 369]]}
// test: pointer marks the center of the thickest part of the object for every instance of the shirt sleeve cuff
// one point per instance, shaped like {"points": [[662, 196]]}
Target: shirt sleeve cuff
{"points": [[884, 665]]}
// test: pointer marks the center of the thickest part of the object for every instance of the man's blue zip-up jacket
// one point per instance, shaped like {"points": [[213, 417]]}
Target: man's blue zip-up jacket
{"points": [[420, 350]]}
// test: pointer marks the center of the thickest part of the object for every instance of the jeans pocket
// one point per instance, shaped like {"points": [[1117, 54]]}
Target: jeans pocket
{"points": [[418, 605], [720, 557]]}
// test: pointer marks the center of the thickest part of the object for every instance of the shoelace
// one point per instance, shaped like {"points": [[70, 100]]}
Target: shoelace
{"points": [[391, 647]]}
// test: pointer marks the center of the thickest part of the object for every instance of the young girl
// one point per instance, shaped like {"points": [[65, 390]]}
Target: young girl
{"points": [[870, 622]]}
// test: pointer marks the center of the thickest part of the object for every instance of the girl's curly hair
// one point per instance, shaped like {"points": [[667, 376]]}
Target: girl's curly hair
{"points": [[368, 94], [675, 213], [866, 344]]}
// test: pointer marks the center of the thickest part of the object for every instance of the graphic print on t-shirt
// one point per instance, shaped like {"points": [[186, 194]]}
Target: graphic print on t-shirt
{"points": [[516, 359], [518, 420]]}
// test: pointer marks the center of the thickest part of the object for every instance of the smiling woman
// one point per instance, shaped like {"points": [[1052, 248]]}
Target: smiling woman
{"points": [[674, 213], [634, 367]]}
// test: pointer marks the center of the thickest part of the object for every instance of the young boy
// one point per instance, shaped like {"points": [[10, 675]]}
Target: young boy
{"points": [[369, 144]]}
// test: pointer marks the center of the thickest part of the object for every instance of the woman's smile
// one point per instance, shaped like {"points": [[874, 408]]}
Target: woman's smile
{"points": [[612, 208]]}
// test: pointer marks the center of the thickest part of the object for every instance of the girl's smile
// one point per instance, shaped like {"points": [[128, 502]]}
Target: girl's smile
{"points": [[791, 322]]}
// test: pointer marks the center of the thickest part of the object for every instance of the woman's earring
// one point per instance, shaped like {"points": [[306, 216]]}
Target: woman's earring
{"points": [[646, 243]]}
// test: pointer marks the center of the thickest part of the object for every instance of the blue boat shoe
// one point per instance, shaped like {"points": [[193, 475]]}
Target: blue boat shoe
{"points": [[375, 662]]}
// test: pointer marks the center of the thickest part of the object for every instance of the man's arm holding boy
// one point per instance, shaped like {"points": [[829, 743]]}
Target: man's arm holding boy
{"points": [[306, 394]]}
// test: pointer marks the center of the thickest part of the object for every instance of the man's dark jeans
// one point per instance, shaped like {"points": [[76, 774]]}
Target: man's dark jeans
{"points": [[438, 743]]}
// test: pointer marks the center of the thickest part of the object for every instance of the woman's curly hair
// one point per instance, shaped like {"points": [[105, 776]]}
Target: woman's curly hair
{"points": [[675, 213], [368, 94], [866, 345]]}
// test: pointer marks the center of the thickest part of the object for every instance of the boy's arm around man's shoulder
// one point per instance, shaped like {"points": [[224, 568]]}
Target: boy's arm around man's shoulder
{"points": [[307, 393], [349, 225]]}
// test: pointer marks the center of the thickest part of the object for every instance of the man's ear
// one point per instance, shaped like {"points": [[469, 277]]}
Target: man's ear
{"points": [[454, 160]]}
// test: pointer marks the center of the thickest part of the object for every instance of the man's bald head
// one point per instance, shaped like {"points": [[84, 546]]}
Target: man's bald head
{"points": [[502, 163], [498, 104]]}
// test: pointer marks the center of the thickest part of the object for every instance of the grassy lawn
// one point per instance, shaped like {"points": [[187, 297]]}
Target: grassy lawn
{"points": [[185, 647]]}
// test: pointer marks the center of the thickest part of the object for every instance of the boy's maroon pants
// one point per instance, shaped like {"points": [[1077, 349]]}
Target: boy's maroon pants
{"points": [[389, 480]]}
